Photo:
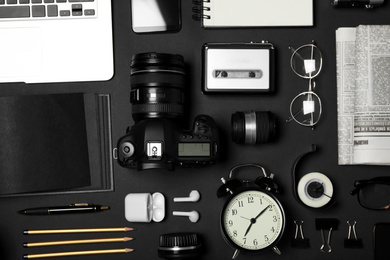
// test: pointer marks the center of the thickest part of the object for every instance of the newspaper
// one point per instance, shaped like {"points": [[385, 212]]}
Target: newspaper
{"points": [[363, 94]]}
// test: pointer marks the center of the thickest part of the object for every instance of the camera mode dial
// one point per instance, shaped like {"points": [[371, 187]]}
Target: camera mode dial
{"points": [[127, 149]]}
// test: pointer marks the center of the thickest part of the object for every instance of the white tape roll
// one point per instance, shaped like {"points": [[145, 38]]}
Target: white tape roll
{"points": [[315, 190]]}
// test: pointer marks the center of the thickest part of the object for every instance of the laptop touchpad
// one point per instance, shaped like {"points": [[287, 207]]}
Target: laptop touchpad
{"points": [[21, 54]]}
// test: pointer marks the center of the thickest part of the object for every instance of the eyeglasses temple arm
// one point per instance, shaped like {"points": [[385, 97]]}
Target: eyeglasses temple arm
{"points": [[355, 191]]}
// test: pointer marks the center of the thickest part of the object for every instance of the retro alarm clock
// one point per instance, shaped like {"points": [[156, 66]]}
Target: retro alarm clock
{"points": [[252, 219]]}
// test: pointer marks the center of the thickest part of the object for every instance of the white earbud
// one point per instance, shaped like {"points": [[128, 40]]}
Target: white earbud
{"points": [[192, 215], [194, 197]]}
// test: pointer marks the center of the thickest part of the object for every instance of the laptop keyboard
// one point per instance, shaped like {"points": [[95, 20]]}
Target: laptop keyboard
{"points": [[47, 9]]}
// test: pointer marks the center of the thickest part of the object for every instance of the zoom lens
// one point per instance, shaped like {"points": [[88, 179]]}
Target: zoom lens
{"points": [[157, 84], [253, 127]]}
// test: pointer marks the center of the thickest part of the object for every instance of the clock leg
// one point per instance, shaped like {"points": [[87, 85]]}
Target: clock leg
{"points": [[235, 254], [276, 250]]}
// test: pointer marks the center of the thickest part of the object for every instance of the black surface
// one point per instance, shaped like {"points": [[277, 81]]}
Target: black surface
{"points": [[381, 238], [277, 157]]}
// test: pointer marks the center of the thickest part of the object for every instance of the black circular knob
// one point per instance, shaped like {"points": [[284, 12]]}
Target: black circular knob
{"points": [[179, 246]]}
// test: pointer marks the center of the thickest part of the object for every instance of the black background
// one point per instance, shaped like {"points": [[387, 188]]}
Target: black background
{"points": [[277, 157]]}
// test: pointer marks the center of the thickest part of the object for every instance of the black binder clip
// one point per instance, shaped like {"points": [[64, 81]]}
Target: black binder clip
{"points": [[299, 240], [326, 224], [354, 242]]}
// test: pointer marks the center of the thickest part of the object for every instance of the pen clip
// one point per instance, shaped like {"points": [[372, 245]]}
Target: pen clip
{"points": [[81, 204]]}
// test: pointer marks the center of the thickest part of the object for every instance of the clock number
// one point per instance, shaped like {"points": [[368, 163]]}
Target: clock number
{"points": [[244, 240], [240, 204], [266, 238], [255, 243], [261, 201], [270, 208], [230, 223], [235, 233], [273, 229], [275, 219], [234, 212], [251, 200]]}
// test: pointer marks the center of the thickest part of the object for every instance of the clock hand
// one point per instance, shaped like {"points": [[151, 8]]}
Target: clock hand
{"points": [[261, 212], [253, 220], [250, 225]]}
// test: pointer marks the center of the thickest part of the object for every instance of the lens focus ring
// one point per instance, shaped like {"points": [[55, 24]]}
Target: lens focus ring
{"points": [[158, 110], [253, 127]]}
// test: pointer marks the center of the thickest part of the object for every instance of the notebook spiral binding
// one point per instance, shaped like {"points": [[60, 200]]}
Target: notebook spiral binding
{"points": [[199, 9]]}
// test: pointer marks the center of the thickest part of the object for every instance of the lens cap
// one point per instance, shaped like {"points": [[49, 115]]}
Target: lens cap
{"points": [[179, 246]]}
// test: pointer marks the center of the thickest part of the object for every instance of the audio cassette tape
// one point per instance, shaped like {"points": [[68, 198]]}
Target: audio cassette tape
{"points": [[238, 68]]}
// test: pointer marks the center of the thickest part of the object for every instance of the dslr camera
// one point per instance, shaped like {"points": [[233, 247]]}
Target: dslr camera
{"points": [[156, 140]]}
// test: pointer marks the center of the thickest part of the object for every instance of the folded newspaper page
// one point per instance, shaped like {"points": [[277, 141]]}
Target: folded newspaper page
{"points": [[363, 94]]}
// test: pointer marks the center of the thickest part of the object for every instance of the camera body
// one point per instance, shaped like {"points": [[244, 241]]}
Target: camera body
{"points": [[160, 144], [157, 140]]}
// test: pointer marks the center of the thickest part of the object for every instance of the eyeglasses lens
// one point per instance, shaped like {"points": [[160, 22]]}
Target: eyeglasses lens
{"points": [[306, 108], [306, 61], [375, 196]]}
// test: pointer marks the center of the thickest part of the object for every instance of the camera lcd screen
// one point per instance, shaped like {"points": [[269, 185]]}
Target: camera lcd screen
{"points": [[194, 149], [155, 15]]}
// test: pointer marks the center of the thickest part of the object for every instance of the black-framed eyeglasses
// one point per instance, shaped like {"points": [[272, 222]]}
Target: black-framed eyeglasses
{"points": [[306, 107], [373, 193]]}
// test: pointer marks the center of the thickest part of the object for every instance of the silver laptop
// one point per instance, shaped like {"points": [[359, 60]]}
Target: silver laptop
{"points": [[55, 41]]}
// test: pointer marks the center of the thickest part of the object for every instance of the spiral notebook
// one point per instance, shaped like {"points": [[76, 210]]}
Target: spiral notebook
{"points": [[253, 13]]}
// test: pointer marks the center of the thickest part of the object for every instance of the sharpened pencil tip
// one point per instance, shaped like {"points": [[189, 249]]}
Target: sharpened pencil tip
{"points": [[128, 229], [127, 250], [128, 238]]}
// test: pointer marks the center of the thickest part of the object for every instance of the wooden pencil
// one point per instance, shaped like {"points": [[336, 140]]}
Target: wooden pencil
{"points": [[79, 241], [77, 253], [81, 230]]}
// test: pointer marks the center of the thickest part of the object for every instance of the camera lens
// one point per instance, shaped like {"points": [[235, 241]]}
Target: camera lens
{"points": [[157, 84], [253, 127]]}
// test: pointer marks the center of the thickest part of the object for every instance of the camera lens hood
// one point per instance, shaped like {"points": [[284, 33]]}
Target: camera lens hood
{"points": [[151, 61], [157, 85]]}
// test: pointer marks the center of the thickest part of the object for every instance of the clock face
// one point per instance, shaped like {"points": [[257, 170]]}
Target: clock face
{"points": [[253, 220]]}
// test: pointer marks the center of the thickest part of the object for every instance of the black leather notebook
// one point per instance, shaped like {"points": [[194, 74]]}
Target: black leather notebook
{"points": [[43, 143]]}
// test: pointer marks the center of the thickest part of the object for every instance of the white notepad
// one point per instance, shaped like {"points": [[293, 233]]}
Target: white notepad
{"points": [[257, 13]]}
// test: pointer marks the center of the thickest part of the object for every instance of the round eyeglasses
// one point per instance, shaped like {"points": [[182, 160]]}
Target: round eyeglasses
{"points": [[373, 193], [306, 107]]}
